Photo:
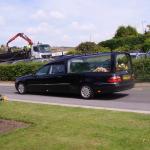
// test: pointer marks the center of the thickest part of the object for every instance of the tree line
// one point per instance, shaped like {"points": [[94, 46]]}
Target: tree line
{"points": [[126, 39]]}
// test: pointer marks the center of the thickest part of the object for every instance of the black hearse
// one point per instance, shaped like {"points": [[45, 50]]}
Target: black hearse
{"points": [[84, 74]]}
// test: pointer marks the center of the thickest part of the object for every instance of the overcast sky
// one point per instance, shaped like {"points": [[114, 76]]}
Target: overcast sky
{"points": [[69, 22]]}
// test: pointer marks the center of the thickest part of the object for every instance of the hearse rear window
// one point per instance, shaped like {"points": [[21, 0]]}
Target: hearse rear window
{"points": [[123, 62], [90, 64]]}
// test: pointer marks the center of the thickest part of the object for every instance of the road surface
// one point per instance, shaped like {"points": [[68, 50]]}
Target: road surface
{"points": [[137, 99]]}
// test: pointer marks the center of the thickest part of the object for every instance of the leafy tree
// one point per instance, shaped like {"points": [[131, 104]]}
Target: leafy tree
{"points": [[124, 48], [87, 47], [103, 49], [146, 45], [137, 47], [123, 31], [130, 43], [131, 31], [73, 52]]}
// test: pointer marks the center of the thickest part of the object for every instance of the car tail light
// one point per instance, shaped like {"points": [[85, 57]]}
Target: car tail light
{"points": [[114, 79]]}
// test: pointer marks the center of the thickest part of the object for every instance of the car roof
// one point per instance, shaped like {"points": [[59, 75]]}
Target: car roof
{"points": [[62, 58]]}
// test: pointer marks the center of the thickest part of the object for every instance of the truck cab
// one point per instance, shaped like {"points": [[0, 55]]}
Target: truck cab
{"points": [[41, 51]]}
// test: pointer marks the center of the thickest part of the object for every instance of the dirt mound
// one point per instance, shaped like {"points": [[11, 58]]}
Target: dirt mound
{"points": [[10, 125]]}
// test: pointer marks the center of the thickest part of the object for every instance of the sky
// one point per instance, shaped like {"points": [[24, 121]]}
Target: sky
{"points": [[69, 22]]}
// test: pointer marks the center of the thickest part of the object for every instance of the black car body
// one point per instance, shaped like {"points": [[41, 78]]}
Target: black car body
{"points": [[85, 74]]}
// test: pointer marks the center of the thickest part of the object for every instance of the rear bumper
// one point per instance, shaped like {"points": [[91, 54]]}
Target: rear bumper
{"points": [[113, 87]]}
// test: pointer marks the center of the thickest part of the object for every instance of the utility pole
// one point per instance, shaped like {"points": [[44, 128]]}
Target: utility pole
{"points": [[143, 25], [148, 26], [90, 37]]}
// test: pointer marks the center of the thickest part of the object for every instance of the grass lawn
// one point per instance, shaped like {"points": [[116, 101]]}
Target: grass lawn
{"points": [[64, 128]]}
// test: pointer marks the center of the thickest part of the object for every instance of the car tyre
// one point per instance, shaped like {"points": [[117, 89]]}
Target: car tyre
{"points": [[21, 88], [86, 92]]}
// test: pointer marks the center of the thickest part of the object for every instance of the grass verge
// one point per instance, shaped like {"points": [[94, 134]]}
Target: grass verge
{"points": [[63, 128]]}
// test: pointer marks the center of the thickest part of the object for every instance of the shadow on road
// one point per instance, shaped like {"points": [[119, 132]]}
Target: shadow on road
{"points": [[114, 96]]}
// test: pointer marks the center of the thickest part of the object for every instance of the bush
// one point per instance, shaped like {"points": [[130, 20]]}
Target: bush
{"points": [[146, 45], [73, 52], [142, 69], [11, 72], [87, 47]]}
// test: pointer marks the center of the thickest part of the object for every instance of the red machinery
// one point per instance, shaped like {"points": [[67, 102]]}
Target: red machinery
{"points": [[22, 35]]}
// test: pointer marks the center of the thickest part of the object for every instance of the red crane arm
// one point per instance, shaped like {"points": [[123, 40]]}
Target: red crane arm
{"points": [[22, 35]]}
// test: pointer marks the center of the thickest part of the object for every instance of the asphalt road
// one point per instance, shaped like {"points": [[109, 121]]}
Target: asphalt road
{"points": [[136, 99]]}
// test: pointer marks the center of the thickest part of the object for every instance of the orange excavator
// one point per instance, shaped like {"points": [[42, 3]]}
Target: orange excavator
{"points": [[22, 35]]}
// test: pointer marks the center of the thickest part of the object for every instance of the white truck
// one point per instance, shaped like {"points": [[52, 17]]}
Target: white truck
{"points": [[41, 51], [35, 50]]}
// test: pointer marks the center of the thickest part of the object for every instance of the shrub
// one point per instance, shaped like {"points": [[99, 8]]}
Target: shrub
{"points": [[87, 47], [10, 72], [142, 69], [73, 52], [146, 45]]}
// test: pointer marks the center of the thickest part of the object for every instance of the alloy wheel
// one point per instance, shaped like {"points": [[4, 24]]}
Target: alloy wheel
{"points": [[21, 88], [86, 92]]}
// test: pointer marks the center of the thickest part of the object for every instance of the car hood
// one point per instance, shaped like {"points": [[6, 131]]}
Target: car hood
{"points": [[24, 77]]}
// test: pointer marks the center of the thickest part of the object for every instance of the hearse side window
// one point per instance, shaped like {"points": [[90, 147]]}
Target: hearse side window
{"points": [[123, 62], [90, 64], [57, 69], [43, 71]]}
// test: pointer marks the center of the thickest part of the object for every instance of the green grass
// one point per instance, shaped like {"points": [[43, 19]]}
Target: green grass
{"points": [[63, 128]]}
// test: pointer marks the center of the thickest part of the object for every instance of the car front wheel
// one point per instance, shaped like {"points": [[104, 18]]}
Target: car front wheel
{"points": [[86, 92], [21, 88]]}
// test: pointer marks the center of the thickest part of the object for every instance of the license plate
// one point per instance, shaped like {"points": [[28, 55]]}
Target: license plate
{"points": [[126, 77]]}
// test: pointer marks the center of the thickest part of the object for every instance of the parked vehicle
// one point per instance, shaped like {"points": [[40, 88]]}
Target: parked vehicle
{"points": [[86, 75], [138, 55], [148, 54]]}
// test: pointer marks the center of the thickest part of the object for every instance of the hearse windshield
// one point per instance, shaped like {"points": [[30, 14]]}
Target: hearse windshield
{"points": [[100, 63]]}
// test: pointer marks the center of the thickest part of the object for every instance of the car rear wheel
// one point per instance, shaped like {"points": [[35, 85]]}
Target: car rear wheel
{"points": [[86, 92], [21, 88]]}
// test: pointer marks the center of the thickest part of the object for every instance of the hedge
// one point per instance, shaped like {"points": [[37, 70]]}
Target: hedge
{"points": [[142, 69], [10, 72]]}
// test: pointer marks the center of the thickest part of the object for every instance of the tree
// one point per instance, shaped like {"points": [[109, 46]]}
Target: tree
{"points": [[123, 31], [124, 48], [146, 45], [103, 49], [87, 47]]}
